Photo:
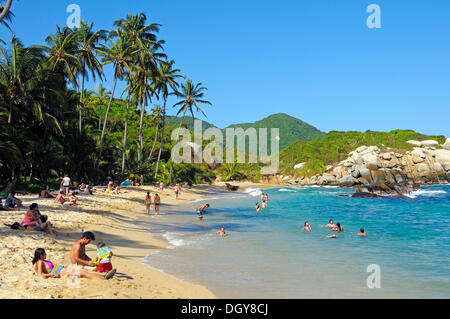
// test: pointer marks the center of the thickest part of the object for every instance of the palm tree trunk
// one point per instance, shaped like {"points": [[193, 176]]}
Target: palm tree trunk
{"points": [[141, 123], [162, 138], [6, 9], [154, 142], [176, 141], [125, 132], [81, 103], [105, 122]]}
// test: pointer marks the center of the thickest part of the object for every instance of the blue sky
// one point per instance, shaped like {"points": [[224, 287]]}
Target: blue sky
{"points": [[315, 60]]}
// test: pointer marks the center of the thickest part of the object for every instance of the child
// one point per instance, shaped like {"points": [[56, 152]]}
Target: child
{"points": [[103, 260]]}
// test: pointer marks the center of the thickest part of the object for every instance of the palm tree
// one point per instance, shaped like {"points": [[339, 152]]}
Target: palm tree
{"points": [[191, 95], [142, 36], [19, 76], [129, 88], [62, 49], [166, 81], [156, 118], [120, 54], [88, 41], [103, 95]]}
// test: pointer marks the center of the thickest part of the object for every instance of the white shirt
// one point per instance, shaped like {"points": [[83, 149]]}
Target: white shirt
{"points": [[66, 181]]}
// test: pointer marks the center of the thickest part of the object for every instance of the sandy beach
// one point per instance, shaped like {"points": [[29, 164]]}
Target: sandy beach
{"points": [[111, 218]]}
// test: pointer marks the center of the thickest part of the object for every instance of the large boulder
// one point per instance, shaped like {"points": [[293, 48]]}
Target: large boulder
{"points": [[348, 180], [299, 166], [447, 144], [429, 143]]}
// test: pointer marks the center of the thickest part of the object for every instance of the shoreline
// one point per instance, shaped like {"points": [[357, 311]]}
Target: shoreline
{"points": [[112, 218]]}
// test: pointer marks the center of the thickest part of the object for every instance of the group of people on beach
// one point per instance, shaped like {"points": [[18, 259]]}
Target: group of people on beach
{"points": [[148, 203], [81, 264]]}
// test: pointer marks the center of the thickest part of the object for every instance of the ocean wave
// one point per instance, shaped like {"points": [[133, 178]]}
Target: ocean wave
{"points": [[253, 192], [423, 192], [174, 241], [286, 190]]}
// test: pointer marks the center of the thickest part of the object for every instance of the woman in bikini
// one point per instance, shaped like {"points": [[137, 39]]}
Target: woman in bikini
{"points": [[157, 201], [47, 269], [148, 202]]}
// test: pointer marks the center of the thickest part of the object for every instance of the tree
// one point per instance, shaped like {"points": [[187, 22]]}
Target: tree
{"points": [[166, 81], [143, 36], [103, 95], [88, 41], [156, 118], [62, 49], [191, 95], [120, 54]]}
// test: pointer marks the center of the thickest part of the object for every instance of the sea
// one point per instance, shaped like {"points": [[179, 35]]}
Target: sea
{"points": [[267, 255]]}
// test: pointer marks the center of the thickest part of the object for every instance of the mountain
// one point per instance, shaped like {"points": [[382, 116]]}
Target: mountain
{"points": [[291, 129], [175, 121]]}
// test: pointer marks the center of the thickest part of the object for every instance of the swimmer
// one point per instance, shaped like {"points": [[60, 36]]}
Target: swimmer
{"points": [[331, 236], [306, 227], [362, 232], [330, 224], [262, 197], [222, 232], [338, 228], [257, 207], [263, 204], [201, 210]]}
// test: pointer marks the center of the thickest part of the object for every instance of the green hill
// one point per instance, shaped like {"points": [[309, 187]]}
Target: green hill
{"points": [[291, 129], [175, 121]]}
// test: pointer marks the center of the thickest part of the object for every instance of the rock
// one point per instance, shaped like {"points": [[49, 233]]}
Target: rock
{"points": [[299, 166], [419, 152], [361, 149], [328, 168], [446, 145], [365, 195], [398, 155], [386, 156], [378, 177], [415, 143], [423, 170], [347, 181], [429, 143], [328, 179]]}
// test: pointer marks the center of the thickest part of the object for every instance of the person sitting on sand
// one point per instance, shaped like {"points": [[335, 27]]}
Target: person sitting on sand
{"points": [[12, 201], [257, 207], [362, 232], [222, 232], [338, 228], [60, 198], [103, 260], [72, 199], [157, 202], [330, 224], [78, 252], [47, 269], [31, 218], [3, 206], [306, 226], [46, 193], [148, 202]]}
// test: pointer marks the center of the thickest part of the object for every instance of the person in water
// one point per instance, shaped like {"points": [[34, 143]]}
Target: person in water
{"points": [[47, 269], [257, 208], [329, 225], [306, 226], [222, 232], [263, 204], [148, 202], [201, 210], [177, 190], [338, 228], [362, 232]]}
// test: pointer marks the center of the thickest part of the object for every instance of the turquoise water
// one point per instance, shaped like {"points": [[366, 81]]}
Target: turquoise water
{"points": [[267, 255]]}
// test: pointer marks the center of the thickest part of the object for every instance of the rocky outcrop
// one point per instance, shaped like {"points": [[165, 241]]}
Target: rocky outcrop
{"points": [[377, 171]]}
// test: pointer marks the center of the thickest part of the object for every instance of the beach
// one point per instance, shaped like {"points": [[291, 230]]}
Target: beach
{"points": [[112, 219]]}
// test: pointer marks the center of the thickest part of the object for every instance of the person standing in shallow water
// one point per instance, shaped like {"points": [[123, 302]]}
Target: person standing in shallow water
{"points": [[148, 202]]}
